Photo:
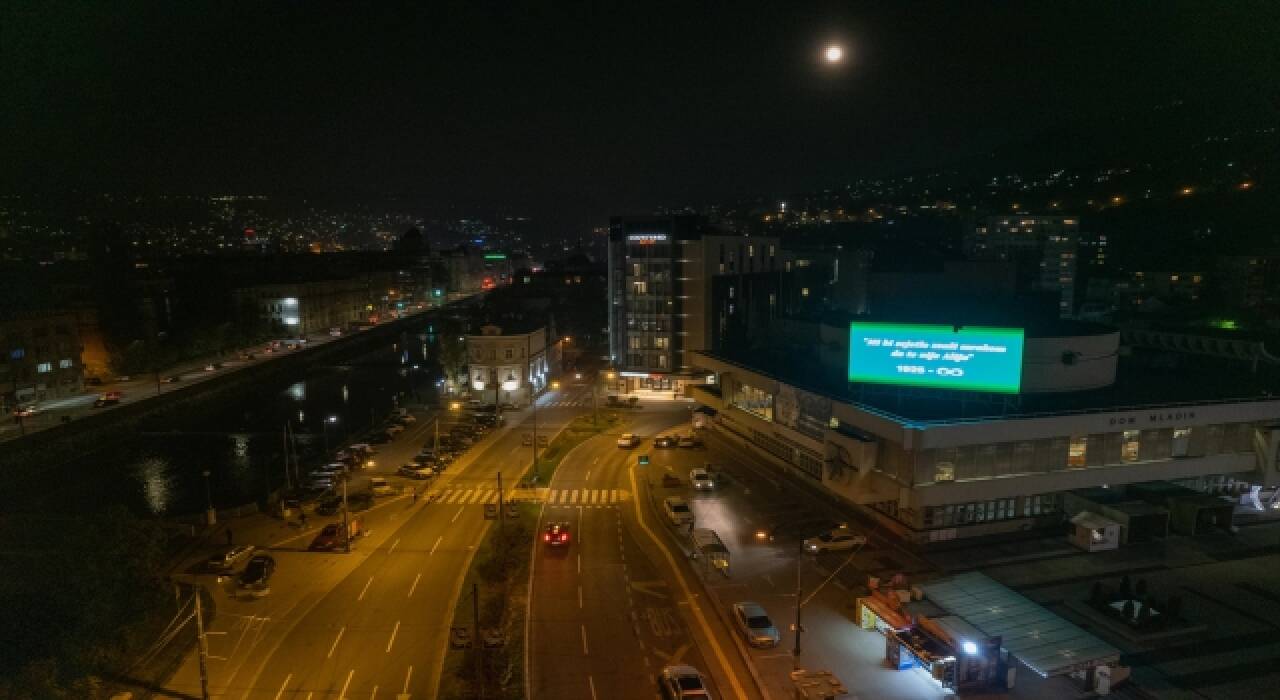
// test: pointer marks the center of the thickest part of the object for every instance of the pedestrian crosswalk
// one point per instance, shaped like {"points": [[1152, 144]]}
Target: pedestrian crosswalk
{"points": [[554, 497], [566, 404]]}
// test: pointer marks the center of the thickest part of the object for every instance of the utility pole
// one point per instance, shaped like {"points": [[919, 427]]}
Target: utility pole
{"points": [[476, 643], [346, 524], [203, 649], [533, 401], [799, 602]]}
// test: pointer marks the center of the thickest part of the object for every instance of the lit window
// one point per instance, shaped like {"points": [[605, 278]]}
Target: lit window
{"points": [[944, 471], [64, 363], [1076, 451], [1129, 445], [804, 291], [44, 367]]}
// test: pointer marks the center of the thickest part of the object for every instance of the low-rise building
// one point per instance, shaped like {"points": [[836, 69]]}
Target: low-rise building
{"points": [[311, 307], [937, 464], [39, 357], [510, 366]]}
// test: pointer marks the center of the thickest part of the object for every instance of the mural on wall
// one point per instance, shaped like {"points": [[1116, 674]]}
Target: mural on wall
{"points": [[802, 411]]}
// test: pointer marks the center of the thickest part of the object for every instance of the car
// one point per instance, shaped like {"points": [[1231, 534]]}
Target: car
{"points": [[379, 439], [230, 558], [683, 683], [258, 572], [329, 505], [628, 440], [701, 480], [103, 401], [26, 411], [335, 332], [754, 624], [841, 538], [414, 471], [556, 534], [319, 483], [330, 537], [209, 367], [394, 429], [124, 378], [380, 486], [173, 379], [408, 418], [113, 395], [677, 510], [93, 381], [246, 356], [664, 441], [424, 460], [690, 441]]}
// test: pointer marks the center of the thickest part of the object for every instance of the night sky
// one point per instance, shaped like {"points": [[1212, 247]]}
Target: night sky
{"points": [[572, 112]]}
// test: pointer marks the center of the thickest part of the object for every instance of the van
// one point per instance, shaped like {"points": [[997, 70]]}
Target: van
{"points": [[677, 510]]}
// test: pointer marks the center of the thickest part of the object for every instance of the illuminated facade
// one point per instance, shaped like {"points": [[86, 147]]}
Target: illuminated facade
{"points": [[510, 367], [39, 357]]}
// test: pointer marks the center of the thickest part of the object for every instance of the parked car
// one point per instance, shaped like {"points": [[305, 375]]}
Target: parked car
{"points": [[394, 429], [683, 683], [230, 558], [26, 411], [379, 438], [319, 483], [628, 440], [841, 538], [103, 401], [173, 379], [677, 510], [258, 572], [331, 537], [664, 441], [754, 624], [701, 480], [407, 418]]}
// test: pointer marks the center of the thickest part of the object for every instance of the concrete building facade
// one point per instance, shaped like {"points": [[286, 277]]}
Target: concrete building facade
{"points": [[510, 367]]}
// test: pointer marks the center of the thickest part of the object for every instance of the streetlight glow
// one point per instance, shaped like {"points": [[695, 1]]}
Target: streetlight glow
{"points": [[834, 54]]}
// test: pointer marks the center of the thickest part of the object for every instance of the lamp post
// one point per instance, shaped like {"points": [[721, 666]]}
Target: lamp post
{"points": [[327, 422], [210, 515]]}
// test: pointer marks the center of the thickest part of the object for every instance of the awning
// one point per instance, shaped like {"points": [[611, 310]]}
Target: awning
{"points": [[1046, 643]]}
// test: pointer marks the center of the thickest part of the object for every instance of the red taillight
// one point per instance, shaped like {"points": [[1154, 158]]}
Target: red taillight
{"points": [[564, 538], [546, 538]]}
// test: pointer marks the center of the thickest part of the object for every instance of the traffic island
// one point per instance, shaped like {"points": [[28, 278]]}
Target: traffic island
{"points": [[486, 641]]}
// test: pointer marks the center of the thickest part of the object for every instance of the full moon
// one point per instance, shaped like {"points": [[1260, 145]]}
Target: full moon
{"points": [[834, 54]]}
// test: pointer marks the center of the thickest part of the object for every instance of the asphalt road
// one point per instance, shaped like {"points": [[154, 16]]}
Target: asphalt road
{"points": [[607, 612], [374, 622]]}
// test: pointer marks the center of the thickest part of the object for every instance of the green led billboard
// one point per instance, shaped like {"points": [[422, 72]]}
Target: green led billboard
{"points": [[964, 358]]}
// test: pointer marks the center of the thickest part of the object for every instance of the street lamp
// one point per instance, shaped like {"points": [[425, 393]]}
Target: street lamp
{"points": [[327, 422]]}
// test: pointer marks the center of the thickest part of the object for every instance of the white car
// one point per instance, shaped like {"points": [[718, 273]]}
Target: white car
{"points": [[683, 683], [841, 538], [677, 510], [380, 486], [628, 440], [701, 480]]}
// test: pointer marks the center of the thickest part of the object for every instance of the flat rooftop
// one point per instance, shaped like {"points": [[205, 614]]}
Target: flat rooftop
{"points": [[1143, 380]]}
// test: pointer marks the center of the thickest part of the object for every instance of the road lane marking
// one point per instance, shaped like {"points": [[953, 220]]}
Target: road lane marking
{"points": [[365, 589], [591, 682], [588, 475], [393, 546], [374, 694], [579, 560], [393, 636], [335, 643], [455, 516], [343, 694], [584, 640], [579, 596], [697, 611], [437, 544], [408, 674], [280, 692], [415, 585]]}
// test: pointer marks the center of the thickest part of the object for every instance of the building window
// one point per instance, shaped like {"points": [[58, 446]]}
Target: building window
{"points": [[1076, 451], [662, 361], [1129, 445], [639, 287], [636, 269], [635, 342], [1181, 439], [660, 343], [65, 363], [44, 367], [944, 471]]}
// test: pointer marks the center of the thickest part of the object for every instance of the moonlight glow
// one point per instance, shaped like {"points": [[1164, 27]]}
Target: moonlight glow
{"points": [[834, 54]]}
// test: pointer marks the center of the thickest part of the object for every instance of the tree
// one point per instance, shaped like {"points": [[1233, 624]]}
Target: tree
{"points": [[1126, 587], [452, 355], [1141, 589]]}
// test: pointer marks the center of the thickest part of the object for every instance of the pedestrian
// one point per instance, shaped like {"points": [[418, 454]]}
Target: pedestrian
{"points": [[302, 517], [415, 494], [229, 539]]}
